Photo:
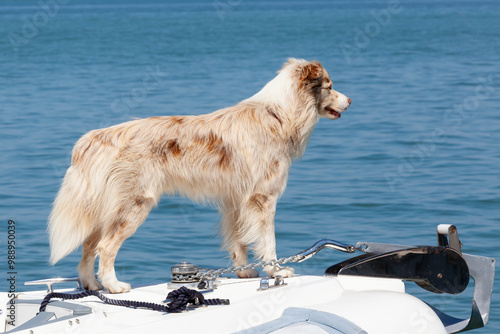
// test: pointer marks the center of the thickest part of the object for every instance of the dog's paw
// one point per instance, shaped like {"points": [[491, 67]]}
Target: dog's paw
{"points": [[274, 271], [118, 287], [92, 285], [284, 272], [89, 282], [249, 273]]}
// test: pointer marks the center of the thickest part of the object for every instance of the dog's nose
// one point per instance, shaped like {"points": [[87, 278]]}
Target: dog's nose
{"points": [[349, 100]]}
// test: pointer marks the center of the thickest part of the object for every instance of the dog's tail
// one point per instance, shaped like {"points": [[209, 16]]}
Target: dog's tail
{"points": [[69, 222], [89, 196]]}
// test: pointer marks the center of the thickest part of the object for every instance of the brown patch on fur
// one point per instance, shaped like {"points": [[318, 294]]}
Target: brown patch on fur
{"points": [[166, 148], [198, 140], [213, 145], [225, 158], [117, 227], [311, 72], [272, 171], [177, 119], [156, 150], [213, 142], [139, 201], [258, 201], [174, 148]]}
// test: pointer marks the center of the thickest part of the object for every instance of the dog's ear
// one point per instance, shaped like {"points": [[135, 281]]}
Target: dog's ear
{"points": [[311, 72]]}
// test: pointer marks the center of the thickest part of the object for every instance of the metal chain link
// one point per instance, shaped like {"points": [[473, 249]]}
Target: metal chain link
{"points": [[221, 271]]}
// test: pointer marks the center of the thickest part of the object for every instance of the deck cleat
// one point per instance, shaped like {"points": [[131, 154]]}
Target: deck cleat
{"points": [[264, 283]]}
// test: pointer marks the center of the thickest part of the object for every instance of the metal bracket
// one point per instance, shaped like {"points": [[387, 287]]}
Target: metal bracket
{"points": [[208, 284], [279, 281], [448, 237], [51, 281], [482, 270]]}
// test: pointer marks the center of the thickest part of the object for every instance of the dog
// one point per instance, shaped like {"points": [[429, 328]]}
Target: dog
{"points": [[237, 158]]}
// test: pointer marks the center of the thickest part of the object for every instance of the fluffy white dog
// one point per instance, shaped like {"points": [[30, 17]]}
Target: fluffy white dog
{"points": [[238, 158]]}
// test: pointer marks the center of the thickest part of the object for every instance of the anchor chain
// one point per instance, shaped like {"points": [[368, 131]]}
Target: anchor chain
{"points": [[210, 273], [302, 256]]}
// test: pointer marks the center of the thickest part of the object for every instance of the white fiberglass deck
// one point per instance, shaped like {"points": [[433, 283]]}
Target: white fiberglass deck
{"points": [[373, 305]]}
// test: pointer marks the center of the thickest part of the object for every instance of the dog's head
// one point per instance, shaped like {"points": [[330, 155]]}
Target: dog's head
{"points": [[315, 81]]}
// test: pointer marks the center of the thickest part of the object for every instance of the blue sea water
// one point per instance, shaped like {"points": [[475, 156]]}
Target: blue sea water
{"points": [[418, 147]]}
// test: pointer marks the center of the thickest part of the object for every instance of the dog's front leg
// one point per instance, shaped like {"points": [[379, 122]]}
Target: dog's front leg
{"points": [[232, 239], [259, 214], [240, 257], [270, 254]]}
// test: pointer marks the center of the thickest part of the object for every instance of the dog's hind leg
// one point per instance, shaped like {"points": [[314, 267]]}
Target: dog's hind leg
{"points": [[132, 215], [87, 264]]}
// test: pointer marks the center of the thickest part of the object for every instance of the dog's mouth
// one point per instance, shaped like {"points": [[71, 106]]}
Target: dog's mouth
{"points": [[332, 113]]}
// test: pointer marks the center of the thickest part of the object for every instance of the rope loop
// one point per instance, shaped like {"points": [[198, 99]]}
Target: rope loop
{"points": [[180, 299]]}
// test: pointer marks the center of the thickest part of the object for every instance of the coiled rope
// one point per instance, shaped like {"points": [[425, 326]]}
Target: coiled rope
{"points": [[180, 299]]}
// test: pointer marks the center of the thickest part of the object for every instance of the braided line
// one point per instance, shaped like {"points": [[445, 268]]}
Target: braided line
{"points": [[180, 299]]}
